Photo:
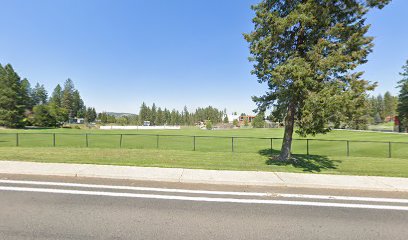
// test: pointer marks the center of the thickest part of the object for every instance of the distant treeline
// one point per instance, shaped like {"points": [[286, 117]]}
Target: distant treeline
{"points": [[163, 116], [382, 108], [22, 105]]}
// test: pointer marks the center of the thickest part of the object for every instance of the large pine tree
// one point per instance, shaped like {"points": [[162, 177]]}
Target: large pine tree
{"points": [[13, 98], [307, 52], [39, 95], [403, 97], [67, 101]]}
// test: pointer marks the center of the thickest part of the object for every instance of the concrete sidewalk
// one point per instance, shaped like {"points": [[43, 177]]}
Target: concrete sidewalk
{"points": [[207, 176]]}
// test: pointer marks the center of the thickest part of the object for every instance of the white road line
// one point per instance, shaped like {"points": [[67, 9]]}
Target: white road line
{"points": [[204, 199], [61, 184], [254, 194]]}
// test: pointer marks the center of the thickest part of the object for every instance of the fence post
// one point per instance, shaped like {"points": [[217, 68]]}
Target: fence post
{"points": [[194, 141], [232, 143], [348, 148], [53, 139], [157, 141], [86, 138], [17, 140], [120, 141], [389, 149], [307, 147]]}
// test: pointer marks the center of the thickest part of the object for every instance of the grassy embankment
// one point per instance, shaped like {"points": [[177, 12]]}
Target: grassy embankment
{"points": [[366, 158]]}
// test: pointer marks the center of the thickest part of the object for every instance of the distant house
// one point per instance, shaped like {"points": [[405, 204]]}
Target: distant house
{"points": [[243, 118], [389, 119], [80, 120], [146, 123]]}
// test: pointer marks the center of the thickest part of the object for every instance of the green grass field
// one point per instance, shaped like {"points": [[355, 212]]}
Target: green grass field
{"points": [[213, 149]]}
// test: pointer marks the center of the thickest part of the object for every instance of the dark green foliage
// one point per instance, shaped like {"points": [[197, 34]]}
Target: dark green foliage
{"points": [[103, 117], [226, 119], [390, 104], [307, 52], [157, 116], [208, 125], [67, 100], [18, 100], [56, 97], [55, 105], [160, 117], [403, 97], [382, 107], [39, 95], [70, 100], [208, 113], [13, 98], [259, 121], [153, 115], [59, 113], [78, 105], [43, 117], [26, 94], [144, 113], [90, 115]]}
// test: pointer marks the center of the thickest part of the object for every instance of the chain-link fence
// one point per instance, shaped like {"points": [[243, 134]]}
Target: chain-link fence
{"points": [[207, 144]]}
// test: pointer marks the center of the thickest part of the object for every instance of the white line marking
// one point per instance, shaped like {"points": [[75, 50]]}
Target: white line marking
{"points": [[254, 194], [135, 188], [204, 199]]}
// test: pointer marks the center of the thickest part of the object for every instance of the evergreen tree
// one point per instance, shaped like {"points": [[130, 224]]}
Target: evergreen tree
{"points": [[42, 116], [39, 95], [167, 116], [103, 117], [68, 98], [153, 115], [403, 97], [12, 102], [226, 119], [259, 121], [380, 108], [26, 94], [173, 117], [389, 105], [56, 97], [55, 105], [143, 113], [160, 117], [186, 116], [90, 115], [307, 52], [78, 106]]}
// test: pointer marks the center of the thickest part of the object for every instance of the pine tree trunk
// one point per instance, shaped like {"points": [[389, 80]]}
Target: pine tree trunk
{"points": [[285, 153]]}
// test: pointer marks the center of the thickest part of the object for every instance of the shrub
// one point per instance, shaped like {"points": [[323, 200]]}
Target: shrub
{"points": [[208, 125]]}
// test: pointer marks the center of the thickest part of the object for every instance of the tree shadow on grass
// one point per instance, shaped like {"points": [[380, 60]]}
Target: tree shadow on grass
{"points": [[308, 163]]}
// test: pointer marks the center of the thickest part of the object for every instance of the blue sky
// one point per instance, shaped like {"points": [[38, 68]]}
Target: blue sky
{"points": [[174, 53]]}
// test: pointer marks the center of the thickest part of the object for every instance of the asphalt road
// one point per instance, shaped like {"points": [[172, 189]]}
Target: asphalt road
{"points": [[30, 209]]}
